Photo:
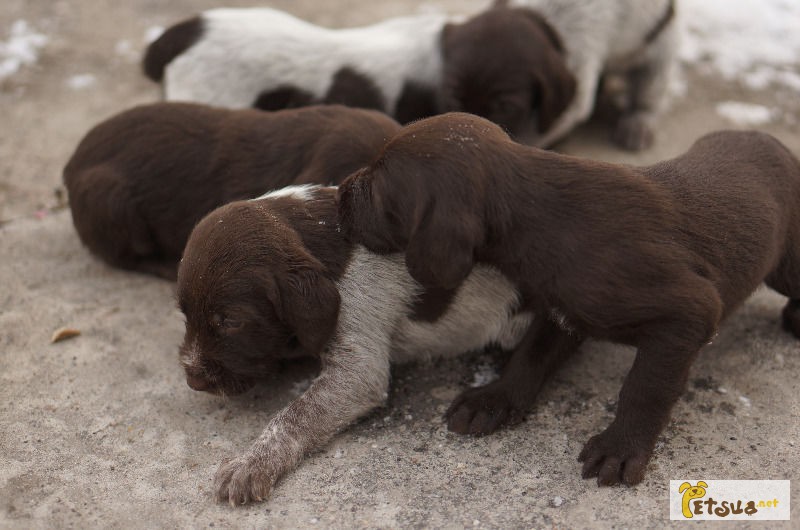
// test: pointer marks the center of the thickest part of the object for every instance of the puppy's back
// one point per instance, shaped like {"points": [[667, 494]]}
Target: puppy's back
{"points": [[342, 151], [139, 181], [130, 175], [738, 193], [732, 166]]}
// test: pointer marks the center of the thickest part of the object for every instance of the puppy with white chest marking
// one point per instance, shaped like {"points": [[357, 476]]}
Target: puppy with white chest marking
{"points": [[533, 66], [139, 181], [654, 257], [274, 278], [270, 59]]}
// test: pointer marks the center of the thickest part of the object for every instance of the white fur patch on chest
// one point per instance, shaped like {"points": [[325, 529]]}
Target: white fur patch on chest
{"points": [[377, 295], [483, 312]]}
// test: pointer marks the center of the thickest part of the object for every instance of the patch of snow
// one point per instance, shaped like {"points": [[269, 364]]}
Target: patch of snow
{"points": [[754, 41], [125, 49], [485, 374], [152, 33], [745, 114], [21, 48], [81, 81]]}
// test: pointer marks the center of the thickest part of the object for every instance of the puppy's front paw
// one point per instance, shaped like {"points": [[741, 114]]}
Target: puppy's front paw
{"points": [[243, 479], [480, 411], [614, 458], [633, 133]]}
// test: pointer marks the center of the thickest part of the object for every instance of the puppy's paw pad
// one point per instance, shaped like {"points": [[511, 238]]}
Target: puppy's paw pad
{"points": [[241, 480], [633, 133], [480, 411], [612, 461]]}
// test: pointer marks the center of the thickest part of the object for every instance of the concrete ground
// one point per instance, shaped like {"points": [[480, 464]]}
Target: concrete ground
{"points": [[102, 431]]}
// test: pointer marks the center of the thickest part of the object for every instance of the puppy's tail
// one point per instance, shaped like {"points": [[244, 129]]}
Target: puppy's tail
{"points": [[173, 42]]}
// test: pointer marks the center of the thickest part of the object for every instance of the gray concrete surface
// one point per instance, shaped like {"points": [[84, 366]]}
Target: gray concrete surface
{"points": [[102, 431]]}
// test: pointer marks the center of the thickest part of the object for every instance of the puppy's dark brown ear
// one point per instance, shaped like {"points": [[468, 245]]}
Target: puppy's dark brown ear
{"points": [[309, 305], [556, 88], [441, 249]]}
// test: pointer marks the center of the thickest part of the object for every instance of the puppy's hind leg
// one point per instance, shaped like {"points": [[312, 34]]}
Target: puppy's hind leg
{"points": [[483, 410]]}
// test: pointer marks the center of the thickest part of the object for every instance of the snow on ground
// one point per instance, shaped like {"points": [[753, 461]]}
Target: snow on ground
{"points": [[81, 81], [21, 48], [745, 114], [754, 41], [484, 374], [152, 33]]}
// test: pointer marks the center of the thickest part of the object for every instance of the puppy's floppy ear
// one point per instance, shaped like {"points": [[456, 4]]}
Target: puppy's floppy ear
{"points": [[685, 486], [309, 305], [555, 86], [441, 249]]}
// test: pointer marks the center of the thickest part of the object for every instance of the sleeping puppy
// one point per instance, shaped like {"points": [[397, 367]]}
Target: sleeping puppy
{"points": [[538, 63], [654, 257], [268, 59], [139, 181], [274, 278]]}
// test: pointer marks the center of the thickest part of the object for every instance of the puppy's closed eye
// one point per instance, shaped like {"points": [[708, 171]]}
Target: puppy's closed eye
{"points": [[226, 325]]}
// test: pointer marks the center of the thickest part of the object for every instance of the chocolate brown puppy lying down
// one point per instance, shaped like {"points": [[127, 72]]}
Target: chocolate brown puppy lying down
{"points": [[139, 181], [653, 257], [274, 278]]}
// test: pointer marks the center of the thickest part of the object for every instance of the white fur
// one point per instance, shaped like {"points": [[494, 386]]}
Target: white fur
{"points": [[609, 36], [244, 52], [301, 192], [374, 328]]}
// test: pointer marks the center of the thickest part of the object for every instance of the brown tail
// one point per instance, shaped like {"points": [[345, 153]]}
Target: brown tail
{"points": [[169, 45]]}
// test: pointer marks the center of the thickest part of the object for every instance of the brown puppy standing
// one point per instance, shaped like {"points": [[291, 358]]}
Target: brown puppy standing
{"points": [[654, 257], [139, 181]]}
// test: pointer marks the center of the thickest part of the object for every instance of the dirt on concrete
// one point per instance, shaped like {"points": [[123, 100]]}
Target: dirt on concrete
{"points": [[102, 431]]}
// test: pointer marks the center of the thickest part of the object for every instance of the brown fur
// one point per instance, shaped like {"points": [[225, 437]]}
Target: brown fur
{"points": [[506, 65], [654, 257], [139, 181], [256, 286]]}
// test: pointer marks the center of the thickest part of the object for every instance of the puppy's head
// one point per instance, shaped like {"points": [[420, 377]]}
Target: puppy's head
{"points": [[425, 195], [252, 295], [506, 65]]}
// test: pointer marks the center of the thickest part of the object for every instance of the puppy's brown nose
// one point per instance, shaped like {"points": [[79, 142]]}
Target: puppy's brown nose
{"points": [[198, 383]]}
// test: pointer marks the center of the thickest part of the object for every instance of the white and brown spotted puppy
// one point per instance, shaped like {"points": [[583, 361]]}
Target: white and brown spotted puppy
{"points": [[269, 59], [139, 181], [274, 278], [533, 66]]}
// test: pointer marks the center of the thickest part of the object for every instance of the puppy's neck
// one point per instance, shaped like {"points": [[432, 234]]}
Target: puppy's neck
{"points": [[312, 212]]}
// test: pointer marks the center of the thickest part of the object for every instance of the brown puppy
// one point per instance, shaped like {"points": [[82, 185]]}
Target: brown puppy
{"points": [[654, 257], [535, 66], [139, 181], [275, 278], [507, 65]]}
